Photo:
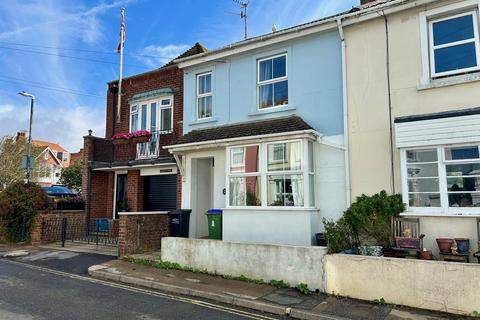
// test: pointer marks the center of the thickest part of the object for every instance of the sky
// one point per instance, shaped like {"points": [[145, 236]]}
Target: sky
{"points": [[64, 52]]}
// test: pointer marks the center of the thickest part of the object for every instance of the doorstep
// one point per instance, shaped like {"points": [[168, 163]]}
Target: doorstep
{"points": [[263, 298]]}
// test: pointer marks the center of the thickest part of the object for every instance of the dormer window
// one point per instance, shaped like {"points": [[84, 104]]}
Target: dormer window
{"points": [[272, 82]]}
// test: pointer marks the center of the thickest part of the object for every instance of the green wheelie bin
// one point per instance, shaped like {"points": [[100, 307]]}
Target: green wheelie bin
{"points": [[214, 217]]}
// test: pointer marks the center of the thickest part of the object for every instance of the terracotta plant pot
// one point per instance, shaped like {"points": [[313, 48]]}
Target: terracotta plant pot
{"points": [[444, 245], [426, 255], [463, 245], [120, 141]]}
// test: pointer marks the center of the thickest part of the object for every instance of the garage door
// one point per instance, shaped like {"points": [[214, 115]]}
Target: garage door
{"points": [[160, 193]]}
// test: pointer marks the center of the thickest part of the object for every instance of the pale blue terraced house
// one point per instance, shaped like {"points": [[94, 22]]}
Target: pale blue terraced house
{"points": [[264, 135]]}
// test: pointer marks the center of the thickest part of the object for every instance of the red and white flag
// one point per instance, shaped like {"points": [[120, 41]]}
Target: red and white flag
{"points": [[122, 31]]}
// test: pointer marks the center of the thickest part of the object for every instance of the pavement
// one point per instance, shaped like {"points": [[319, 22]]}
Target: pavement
{"points": [[264, 298]]}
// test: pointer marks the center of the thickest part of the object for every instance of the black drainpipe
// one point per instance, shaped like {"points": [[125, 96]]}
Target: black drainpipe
{"points": [[390, 116]]}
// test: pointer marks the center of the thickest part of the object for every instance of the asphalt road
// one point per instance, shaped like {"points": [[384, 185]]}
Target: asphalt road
{"points": [[37, 291]]}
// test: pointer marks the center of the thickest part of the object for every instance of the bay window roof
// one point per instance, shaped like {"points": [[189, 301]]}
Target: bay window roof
{"points": [[246, 129]]}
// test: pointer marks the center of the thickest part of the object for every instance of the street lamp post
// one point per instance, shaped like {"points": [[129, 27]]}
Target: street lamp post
{"points": [[29, 152]]}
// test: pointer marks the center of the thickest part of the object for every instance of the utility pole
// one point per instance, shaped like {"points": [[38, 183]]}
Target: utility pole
{"points": [[28, 163]]}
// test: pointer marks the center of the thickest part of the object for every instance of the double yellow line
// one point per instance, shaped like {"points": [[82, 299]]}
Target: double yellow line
{"points": [[200, 303]]}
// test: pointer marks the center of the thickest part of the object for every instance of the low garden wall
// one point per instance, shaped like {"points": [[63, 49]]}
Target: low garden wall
{"points": [[36, 233], [434, 285], [294, 264], [142, 231]]}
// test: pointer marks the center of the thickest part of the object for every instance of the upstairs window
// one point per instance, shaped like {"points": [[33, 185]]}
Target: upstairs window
{"points": [[454, 44], [272, 82], [133, 118], [155, 116], [204, 95], [166, 115]]}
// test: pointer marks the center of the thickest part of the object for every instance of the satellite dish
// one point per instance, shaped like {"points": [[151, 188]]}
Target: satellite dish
{"points": [[274, 28]]}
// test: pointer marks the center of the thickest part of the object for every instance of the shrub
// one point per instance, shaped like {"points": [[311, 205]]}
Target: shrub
{"points": [[366, 222], [19, 203]]}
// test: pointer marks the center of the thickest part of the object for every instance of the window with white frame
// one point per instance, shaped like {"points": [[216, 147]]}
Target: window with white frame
{"points": [[272, 174], [244, 176], [454, 44], [153, 115], [204, 95], [284, 175], [272, 82], [445, 179]]}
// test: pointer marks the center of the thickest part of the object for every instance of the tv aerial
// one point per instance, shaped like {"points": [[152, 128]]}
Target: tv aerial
{"points": [[243, 14]]}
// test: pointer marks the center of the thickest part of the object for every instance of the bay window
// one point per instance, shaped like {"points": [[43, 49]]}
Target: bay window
{"points": [[272, 82], [244, 176], [444, 179], [271, 174], [284, 174]]}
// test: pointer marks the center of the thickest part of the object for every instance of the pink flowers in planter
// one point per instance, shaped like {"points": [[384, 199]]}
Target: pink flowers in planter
{"points": [[139, 136]]}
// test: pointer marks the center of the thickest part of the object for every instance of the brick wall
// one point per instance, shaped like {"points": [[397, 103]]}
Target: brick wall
{"points": [[36, 234], [101, 198], [135, 186], [139, 233], [168, 77]]}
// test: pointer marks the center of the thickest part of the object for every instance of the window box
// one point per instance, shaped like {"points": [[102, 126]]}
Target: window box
{"points": [[120, 138], [141, 136]]}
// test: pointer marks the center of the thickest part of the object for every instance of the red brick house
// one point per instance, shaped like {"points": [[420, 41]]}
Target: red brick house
{"points": [[144, 176]]}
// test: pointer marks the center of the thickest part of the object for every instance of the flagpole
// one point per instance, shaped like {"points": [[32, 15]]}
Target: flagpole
{"points": [[122, 35]]}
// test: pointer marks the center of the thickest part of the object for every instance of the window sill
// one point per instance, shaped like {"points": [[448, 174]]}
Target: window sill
{"points": [[272, 110], [202, 121], [270, 209], [449, 81], [439, 215]]}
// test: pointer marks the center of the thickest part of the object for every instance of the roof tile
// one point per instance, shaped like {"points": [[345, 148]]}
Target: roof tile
{"points": [[246, 129]]}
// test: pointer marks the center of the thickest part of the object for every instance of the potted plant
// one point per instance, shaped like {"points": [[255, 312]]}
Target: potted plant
{"points": [[124, 205], [140, 136], [120, 138]]}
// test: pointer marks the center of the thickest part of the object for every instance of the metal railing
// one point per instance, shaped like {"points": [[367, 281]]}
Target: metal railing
{"points": [[97, 231], [151, 149]]}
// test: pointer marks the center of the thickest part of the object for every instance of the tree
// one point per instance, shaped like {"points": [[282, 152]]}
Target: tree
{"points": [[72, 176], [11, 151]]}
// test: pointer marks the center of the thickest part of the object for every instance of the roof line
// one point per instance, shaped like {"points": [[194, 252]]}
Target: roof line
{"points": [[305, 26], [438, 115], [227, 140]]}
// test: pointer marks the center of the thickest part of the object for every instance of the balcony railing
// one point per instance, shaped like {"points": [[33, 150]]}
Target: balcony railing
{"points": [[150, 149]]}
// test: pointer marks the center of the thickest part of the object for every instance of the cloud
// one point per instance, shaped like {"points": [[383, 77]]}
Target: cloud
{"points": [[160, 55], [6, 108], [66, 127]]}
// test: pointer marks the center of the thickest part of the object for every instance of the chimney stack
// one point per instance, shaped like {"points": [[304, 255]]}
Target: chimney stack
{"points": [[21, 134]]}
